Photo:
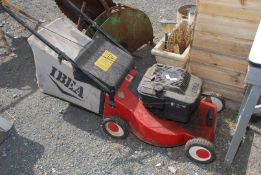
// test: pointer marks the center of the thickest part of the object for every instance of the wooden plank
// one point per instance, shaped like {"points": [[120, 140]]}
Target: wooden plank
{"points": [[249, 4], [226, 26], [216, 8], [230, 78], [226, 45], [219, 61], [229, 92]]}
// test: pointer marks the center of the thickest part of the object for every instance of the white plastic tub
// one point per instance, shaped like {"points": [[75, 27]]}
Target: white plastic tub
{"points": [[169, 58]]}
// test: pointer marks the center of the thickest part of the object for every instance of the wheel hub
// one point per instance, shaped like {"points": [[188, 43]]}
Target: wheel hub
{"points": [[202, 153], [113, 127], [199, 153]]}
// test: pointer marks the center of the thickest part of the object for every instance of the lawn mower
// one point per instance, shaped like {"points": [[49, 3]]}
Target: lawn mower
{"points": [[164, 107]]}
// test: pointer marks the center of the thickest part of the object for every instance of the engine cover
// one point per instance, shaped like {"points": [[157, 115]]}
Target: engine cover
{"points": [[170, 92]]}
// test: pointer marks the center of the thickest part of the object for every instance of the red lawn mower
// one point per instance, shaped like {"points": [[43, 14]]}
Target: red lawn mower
{"points": [[164, 107], [168, 111]]}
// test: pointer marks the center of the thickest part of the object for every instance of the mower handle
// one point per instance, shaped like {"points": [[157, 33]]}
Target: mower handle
{"points": [[61, 54]]}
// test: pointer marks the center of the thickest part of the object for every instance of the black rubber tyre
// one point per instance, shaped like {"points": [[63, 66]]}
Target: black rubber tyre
{"points": [[115, 127], [200, 150], [217, 99]]}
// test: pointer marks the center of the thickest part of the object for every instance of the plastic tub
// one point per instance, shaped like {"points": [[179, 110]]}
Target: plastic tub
{"points": [[169, 58]]}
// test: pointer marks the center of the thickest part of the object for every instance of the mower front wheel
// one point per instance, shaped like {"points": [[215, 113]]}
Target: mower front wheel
{"points": [[200, 150], [115, 127], [216, 99]]}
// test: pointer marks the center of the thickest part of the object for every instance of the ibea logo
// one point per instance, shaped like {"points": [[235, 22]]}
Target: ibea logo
{"points": [[58, 76]]}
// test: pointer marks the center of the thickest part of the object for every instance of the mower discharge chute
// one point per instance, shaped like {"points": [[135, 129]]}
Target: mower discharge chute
{"points": [[128, 26]]}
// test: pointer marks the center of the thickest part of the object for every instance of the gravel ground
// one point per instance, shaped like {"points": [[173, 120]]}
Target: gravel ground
{"points": [[55, 137]]}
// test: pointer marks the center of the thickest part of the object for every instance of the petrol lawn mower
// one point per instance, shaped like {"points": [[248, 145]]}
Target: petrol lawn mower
{"points": [[164, 107]]}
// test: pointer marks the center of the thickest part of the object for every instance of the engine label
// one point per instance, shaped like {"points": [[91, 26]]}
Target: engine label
{"points": [[106, 61]]}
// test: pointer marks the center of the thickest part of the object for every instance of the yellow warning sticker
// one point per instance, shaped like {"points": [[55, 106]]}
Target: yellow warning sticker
{"points": [[106, 61]]}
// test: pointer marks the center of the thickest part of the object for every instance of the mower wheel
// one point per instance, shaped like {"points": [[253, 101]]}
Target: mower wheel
{"points": [[200, 150], [115, 127], [217, 99]]}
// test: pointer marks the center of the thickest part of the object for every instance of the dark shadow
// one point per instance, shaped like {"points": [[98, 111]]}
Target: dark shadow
{"points": [[18, 155], [255, 118], [82, 119], [256, 127], [91, 123], [227, 122], [18, 72], [241, 159]]}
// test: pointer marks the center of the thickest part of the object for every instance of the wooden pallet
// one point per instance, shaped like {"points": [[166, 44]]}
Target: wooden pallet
{"points": [[224, 33]]}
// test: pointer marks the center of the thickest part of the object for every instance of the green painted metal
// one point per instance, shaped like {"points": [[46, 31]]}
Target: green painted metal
{"points": [[130, 27]]}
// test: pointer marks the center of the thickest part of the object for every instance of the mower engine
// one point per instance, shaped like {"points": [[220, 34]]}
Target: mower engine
{"points": [[170, 92]]}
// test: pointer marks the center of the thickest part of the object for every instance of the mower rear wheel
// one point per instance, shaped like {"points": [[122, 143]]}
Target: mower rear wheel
{"points": [[200, 150], [217, 99], [115, 127]]}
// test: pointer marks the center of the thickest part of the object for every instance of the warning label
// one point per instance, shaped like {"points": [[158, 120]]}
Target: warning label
{"points": [[106, 60]]}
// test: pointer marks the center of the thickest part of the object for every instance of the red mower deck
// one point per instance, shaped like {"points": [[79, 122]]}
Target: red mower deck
{"points": [[156, 131]]}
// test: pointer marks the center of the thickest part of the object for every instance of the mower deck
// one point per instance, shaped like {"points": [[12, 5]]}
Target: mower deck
{"points": [[156, 131]]}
